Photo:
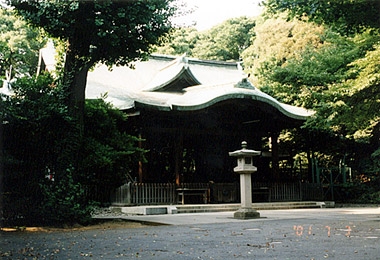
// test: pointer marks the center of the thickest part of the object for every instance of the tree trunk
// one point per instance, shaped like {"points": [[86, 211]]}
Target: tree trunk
{"points": [[75, 80], [77, 64], [76, 98]]}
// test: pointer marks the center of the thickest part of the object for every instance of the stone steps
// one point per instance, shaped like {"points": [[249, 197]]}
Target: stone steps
{"points": [[257, 206]]}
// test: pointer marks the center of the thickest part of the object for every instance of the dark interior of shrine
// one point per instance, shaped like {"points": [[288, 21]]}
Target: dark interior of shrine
{"points": [[193, 146]]}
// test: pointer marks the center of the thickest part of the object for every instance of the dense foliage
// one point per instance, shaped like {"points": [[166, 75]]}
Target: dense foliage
{"points": [[34, 137], [19, 46], [345, 16], [337, 75], [179, 41], [109, 152], [36, 124], [225, 41], [276, 41]]}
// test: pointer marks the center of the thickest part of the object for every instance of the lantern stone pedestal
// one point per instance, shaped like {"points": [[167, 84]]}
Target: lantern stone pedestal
{"points": [[245, 168]]}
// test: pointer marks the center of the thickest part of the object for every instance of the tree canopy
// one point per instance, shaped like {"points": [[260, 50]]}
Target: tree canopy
{"points": [[225, 41], [106, 31], [346, 16], [112, 32], [278, 41], [179, 41], [19, 46]]}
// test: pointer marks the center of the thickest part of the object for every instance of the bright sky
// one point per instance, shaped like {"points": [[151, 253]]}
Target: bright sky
{"points": [[212, 12]]}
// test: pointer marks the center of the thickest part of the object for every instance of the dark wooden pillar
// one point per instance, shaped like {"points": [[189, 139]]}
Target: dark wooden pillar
{"points": [[275, 156], [178, 156], [140, 170]]}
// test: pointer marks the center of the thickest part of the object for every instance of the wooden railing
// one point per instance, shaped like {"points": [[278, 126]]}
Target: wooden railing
{"points": [[145, 194], [153, 193], [168, 193], [312, 191], [285, 192]]}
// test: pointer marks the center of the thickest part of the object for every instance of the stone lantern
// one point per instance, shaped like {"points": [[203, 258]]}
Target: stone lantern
{"points": [[245, 168]]}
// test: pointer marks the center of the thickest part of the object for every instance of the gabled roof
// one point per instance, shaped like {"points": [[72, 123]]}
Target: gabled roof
{"points": [[174, 77]]}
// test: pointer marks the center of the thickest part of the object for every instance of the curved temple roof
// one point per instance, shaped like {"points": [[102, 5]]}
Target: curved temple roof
{"points": [[170, 83], [199, 97]]}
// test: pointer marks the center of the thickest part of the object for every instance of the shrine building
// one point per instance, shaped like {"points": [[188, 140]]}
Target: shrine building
{"points": [[191, 113]]}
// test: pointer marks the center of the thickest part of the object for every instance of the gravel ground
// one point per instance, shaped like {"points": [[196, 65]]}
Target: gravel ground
{"points": [[280, 234]]}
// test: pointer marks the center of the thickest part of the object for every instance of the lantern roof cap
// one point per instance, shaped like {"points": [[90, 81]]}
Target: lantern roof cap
{"points": [[244, 151]]}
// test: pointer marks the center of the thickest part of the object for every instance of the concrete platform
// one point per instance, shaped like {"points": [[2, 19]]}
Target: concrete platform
{"points": [[204, 208], [147, 210]]}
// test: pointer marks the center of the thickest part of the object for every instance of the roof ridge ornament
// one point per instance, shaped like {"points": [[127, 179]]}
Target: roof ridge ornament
{"points": [[181, 59], [244, 83], [184, 59]]}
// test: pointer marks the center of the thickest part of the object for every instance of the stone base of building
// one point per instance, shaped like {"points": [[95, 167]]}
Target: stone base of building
{"points": [[246, 214]]}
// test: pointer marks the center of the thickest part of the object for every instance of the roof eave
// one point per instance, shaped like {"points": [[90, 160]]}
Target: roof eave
{"points": [[283, 108]]}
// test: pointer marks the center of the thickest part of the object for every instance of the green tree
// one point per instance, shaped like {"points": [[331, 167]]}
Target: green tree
{"points": [[110, 153], [275, 42], [37, 121], [64, 202], [225, 41], [112, 32], [352, 108], [306, 79], [364, 96], [19, 46], [346, 16], [179, 41]]}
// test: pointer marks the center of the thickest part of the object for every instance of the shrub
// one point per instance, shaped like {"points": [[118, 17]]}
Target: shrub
{"points": [[64, 201]]}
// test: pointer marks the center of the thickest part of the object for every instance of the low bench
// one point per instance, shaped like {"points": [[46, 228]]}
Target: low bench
{"points": [[261, 194], [182, 192]]}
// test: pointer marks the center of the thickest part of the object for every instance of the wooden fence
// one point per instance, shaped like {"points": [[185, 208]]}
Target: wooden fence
{"points": [[285, 192], [167, 193], [144, 194], [278, 192], [312, 191]]}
